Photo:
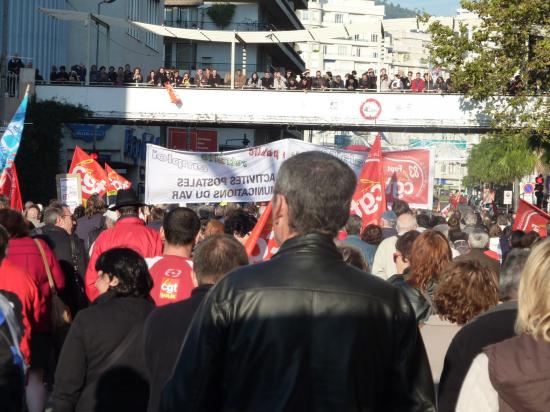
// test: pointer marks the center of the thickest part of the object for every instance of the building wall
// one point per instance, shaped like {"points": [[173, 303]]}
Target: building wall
{"points": [[35, 37], [342, 56], [138, 49]]}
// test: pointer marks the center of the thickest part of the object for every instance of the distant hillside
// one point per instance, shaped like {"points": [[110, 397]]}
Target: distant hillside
{"points": [[395, 11]]}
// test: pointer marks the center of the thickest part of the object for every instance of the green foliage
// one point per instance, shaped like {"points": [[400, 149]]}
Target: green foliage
{"points": [[500, 159], [513, 39], [395, 11], [221, 14], [37, 160]]}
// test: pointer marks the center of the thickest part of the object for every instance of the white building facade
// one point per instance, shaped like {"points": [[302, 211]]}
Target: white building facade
{"points": [[341, 56]]}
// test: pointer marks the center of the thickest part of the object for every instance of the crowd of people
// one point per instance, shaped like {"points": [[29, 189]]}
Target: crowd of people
{"points": [[276, 80], [420, 312]]}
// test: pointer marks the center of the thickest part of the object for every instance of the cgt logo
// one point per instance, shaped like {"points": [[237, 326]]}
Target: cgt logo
{"points": [[170, 288], [369, 202]]}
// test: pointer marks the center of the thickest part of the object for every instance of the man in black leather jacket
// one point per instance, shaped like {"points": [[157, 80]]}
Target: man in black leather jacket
{"points": [[303, 331]]}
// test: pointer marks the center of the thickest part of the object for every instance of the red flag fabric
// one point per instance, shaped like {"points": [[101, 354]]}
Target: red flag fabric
{"points": [[9, 187], [116, 181], [531, 218], [261, 244], [93, 177], [369, 199], [174, 98]]}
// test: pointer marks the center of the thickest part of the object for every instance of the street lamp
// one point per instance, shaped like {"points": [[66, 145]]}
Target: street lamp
{"points": [[97, 32]]}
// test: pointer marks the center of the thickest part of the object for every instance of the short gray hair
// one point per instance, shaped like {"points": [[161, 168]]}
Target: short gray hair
{"points": [[478, 239], [510, 273], [470, 219], [405, 223], [53, 212], [316, 204]]}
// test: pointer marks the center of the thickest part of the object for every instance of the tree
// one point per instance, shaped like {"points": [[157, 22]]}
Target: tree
{"points": [[37, 160], [507, 54]]}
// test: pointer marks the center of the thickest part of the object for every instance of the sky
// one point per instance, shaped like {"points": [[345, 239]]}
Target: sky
{"points": [[434, 7]]}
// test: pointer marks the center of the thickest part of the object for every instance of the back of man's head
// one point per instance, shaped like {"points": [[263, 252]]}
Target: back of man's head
{"points": [[510, 273], [478, 239], [315, 203], [217, 255], [470, 219], [400, 207], [353, 225], [405, 223], [52, 213], [181, 226]]}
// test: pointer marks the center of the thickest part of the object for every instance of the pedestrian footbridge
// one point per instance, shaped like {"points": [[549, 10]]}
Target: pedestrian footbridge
{"points": [[320, 110]]}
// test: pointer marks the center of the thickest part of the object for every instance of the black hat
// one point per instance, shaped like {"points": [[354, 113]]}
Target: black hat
{"points": [[126, 197]]}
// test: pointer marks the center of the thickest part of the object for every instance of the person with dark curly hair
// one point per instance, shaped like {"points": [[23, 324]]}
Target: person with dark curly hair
{"points": [[372, 236], [239, 223], [102, 366], [465, 290]]}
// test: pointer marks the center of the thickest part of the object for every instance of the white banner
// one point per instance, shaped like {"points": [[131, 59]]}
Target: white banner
{"points": [[248, 175]]}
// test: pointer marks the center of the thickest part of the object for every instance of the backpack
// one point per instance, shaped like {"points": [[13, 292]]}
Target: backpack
{"points": [[12, 366]]}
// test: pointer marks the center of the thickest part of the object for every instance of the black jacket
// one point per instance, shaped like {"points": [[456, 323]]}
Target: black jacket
{"points": [[164, 331], [302, 332], [73, 259], [422, 308], [81, 382], [493, 326], [88, 224]]}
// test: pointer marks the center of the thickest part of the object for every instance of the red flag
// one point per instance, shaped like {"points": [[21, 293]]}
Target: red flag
{"points": [[9, 187], [174, 98], [531, 218], [116, 181], [93, 177], [261, 244], [369, 199]]}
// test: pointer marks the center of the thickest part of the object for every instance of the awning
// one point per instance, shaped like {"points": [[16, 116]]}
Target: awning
{"points": [[218, 36]]}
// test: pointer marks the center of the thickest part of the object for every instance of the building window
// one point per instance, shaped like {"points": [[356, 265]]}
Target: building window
{"points": [[338, 18], [133, 14], [342, 50], [357, 51], [374, 38], [325, 49], [305, 15], [152, 18], [375, 54]]}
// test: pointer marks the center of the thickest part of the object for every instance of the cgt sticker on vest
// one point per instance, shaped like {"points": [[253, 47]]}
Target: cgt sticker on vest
{"points": [[169, 289]]}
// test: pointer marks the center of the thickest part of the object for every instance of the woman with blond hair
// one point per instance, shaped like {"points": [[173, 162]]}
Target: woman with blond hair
{"points": [[513, 375]]}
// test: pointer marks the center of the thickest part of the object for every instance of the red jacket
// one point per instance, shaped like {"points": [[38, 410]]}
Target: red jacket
{"points": [[24, 253], [129, 232], [418, 85], [19, 282]]}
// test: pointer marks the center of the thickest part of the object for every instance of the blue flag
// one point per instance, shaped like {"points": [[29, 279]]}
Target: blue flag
{"points": [[12, 136]]}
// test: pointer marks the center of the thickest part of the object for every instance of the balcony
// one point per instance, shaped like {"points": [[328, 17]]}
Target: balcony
{"points": [[219, 107]]}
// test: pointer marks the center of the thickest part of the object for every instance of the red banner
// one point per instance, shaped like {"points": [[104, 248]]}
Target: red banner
{"points": [[531, 218], [408, 176], [9, 187], [369, 199], [116, 181], [94, 179], [261, 244]]}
